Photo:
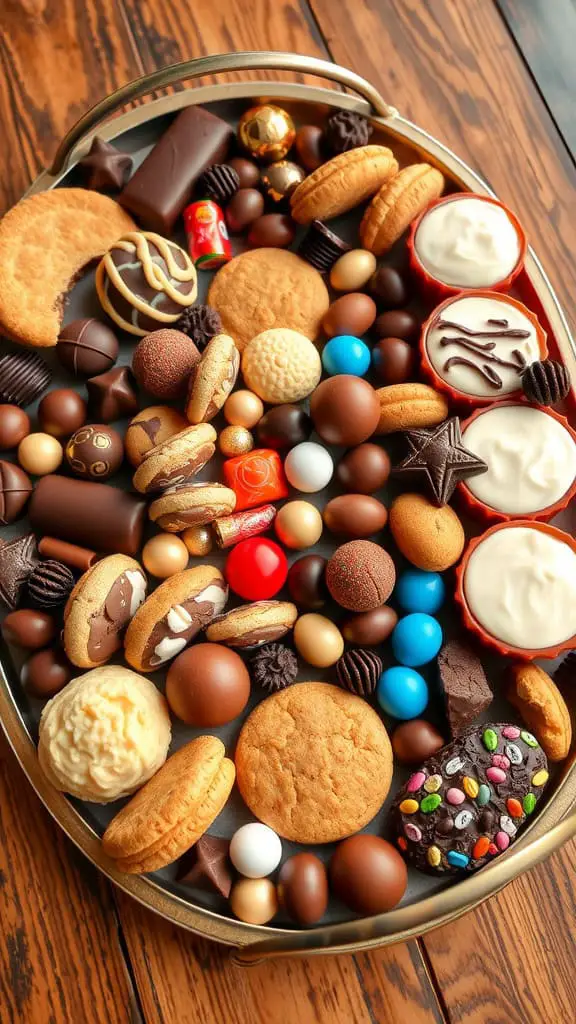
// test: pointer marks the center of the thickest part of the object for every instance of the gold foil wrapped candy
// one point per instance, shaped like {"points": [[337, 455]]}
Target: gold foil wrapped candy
{"points": [[280, 179], [235, 441], [266, 132]]}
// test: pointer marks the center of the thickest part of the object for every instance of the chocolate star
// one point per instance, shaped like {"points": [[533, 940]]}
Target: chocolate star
{"points": [[17, 559], [111, 395], [209, 867], [439, 459], [106, 169]]}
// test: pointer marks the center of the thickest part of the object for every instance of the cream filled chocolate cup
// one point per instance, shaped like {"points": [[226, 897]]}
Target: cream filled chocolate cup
{"points": [[476, 346], [465, 241], [99, 609], [531, 457], [516, 586]]}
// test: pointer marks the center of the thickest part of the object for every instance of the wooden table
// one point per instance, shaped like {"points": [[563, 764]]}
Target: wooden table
{"points": [[496, 83]]}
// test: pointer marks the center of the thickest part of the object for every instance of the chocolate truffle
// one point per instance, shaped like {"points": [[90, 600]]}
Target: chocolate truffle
{"points": [[360, 575], [363, 469], [345, 410], [29, 628], [246, 206], [388, 287], [303, 888], [111, 395], [397, 323], [46, 673], [86, 347], [14, 426], [220, 183], [394, 360], [284, 427], [369, 629], [207, 685], [271, 231], [415, 741], [61, 412], [162, 363], [307, 583], [50, 584], [95, 452], [247, 171], [309, 144], [368, 874], [201, 324], [23, 377], [15, 489], [347, 130], [359, 672], [274, 667], [150, 427]]}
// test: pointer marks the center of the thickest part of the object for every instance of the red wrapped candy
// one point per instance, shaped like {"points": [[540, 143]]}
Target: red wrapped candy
{"points": [[207, 234], [242, 525], [256, 478]]}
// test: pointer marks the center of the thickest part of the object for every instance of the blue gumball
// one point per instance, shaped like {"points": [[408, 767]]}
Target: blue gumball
{"points": [[402, 692], [420, 591], [346, 354], [416, 639]]}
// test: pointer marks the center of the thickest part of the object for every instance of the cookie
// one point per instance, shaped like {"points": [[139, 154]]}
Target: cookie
{"points": [[100, 607], [251, 625], [466, 803], [149, 428], [431, 538], [314, 763], [176, 460], [408, 406], [104, 735], [533, 693], [266, 288], [46, 241], [213, 379], [192, 504], [172, 616], [173, 810], [281, 366], [397, 204], [342, 183]]}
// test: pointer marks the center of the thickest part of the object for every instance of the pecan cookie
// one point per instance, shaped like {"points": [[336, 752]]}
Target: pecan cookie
{"points": [[397, 204], [342, 183]]}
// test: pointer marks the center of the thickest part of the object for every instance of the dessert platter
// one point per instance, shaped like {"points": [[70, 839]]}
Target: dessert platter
{"points": [[287, 566]]}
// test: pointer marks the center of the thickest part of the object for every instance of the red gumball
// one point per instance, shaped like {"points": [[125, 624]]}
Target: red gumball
{"points": [[256, 569]]}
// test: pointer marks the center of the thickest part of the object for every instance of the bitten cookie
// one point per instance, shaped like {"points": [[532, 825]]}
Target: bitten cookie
{"points": [[409, 406], [172, 616], [213, 379], [149, 428], [281, 366], [397, 204], [314, 763], [266, 288], [542, 707], [342, 183], [191, 505], [177, 460], [170, 814], [100, 607], [251, 625], [46, 241]]}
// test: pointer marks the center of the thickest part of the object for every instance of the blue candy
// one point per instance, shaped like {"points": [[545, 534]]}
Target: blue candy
{"points": [[420, 591], [402, 692], [456, 859], [346, 354], [416, 639]]}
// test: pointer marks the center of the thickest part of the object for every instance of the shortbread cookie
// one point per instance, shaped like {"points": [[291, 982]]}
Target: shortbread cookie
{"points": [[172, 616], [192, 504], [46, 241], [104, 735], [314, 763], [409, 406], [266, 288], [342, 183], [281, 366], [170, 814], [177, 460], [542, 707], [397, 204], [100, 607], [149, 428], [212, 379], [251, 625]]}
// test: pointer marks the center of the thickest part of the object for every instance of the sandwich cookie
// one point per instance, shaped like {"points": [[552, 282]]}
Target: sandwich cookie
{"points": [[100, 607], [176, 460], [213, 379], [191, 505], [172, 616], [251, 625]]}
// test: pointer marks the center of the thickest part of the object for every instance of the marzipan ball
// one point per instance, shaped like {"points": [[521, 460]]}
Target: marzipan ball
{"points": [[198, 540], [397, 323], [254, 900], [415, 741], [46, 673], [309, 146], [351, 272], [318, 640], [368, 874], [14, 426], [207, 686], [235, 441], [298, 524], [394, 360], [345, 410], [360, 575], [247, 171], [61, 412], [388, 287], [306, 582], [40, 454], [30, 628], [246, 206], [163, 361], [303, 888], [164, 555], [364, 469], [243, 409]]}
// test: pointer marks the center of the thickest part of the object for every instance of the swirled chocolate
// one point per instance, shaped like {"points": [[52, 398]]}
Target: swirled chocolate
{"points": [[107, 624], [174, 631], [183, 472]]}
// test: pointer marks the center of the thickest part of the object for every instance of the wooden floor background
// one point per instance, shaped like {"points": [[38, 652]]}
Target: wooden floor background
{"points": [[496, 82]]}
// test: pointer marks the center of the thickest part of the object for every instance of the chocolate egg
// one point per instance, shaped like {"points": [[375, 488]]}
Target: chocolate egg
{"points": [[352, 270], [272, 231], [352, 314], [345, 410], [355, 516], [95, 452], [394, 360], [415, 741], [364, 469], [306, 582], [207, 686], [247, 171], [29, 628], [388, 287], [298, 524], [46, 672], [368, 874], [397, 323], [303, 888], [243, 208], [14, 426], [318, 640], [254, 900], [284, 427], [308, 144], [370, 628]]}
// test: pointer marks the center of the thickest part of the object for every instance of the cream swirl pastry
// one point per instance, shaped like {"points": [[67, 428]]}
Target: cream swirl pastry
{"points": [[104, 735]]}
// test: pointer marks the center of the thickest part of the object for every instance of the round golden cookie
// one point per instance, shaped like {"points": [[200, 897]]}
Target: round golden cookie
{"points": [[314, 763], [342, 183], [281, 366], [431, 538], [46, 241], [409, 406], [212, 379], [542, 707], [150, 427], [397, 204], [266, 288], [173, 810]]}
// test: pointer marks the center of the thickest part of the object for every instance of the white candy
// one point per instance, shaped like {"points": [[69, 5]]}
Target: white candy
{"points": [[309, 467], [255, 850]]}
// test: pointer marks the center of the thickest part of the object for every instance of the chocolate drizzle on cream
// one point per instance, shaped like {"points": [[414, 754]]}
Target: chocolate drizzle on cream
{"points": [[485, 350]]}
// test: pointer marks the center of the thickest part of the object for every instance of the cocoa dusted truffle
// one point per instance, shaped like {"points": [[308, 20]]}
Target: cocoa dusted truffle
{"points": [[50, 584], [347, 130], [546, 382], [274, 667], [163, 361], [359, 672], [201, 324], [360, 575]]}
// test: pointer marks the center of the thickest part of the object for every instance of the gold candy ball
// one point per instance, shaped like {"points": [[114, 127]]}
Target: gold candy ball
{"points": [[235, 441], [164, 555], [254, 900], [243, 409], [298, 525], [280, 179], [266, 132], [198, 540], [40, 454]]}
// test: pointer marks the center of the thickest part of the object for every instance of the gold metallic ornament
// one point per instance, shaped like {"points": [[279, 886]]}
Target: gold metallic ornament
{"points": [[266, 132], [164, 555], [198, 540], [280, 179], [235, 441], [243, 409]]}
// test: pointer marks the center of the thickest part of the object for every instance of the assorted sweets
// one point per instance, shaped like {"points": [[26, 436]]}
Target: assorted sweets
{"points": [[254, 426]]}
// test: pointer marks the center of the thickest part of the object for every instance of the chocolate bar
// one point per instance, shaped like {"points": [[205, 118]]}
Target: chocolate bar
{"points": [[92, 515]]}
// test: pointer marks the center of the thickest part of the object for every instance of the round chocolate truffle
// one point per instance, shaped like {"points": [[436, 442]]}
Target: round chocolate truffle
{"points": [[388, 287], [151, 426], [307, 583], [61, 412], [29, 628], [46, 673], [394, 360], [284, 427], [95, 452], [163, 361], [14, 426], [397, 323], [345, 410], [50, 584], [309, 144], [360, 575], [15, 489], [303, 888], [363, 469], [207, 685], [415, 741], [368, 874], [247, 171], [271, 231], [246, 206], [87, 347]]}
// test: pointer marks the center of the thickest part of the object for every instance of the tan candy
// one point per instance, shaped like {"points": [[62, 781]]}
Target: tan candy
{"points": [[409, 406], [397, 204]]}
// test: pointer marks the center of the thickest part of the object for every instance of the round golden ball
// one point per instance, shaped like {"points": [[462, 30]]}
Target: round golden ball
{"points": [[164, 555], [279, 180], [40, 454], [298, 525], [254, 900], [235, 441], [198, 540], [266, 132], [353, 270], [243, 409], [318, 640]]}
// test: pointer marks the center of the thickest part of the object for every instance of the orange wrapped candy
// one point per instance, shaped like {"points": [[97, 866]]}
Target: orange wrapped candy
{"points": [[256, 478]]}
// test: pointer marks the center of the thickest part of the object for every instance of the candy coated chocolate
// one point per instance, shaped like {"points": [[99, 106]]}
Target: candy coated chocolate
{"points": [[303, 888], [207, 685], [354, 516], [91, 514], [309, 146], [353, 313], [306, 582], [345, 410], [247, 171], [95, 452], [256, 569], [246, 206], [364, 469], [272, 231], [46, 672], [29, 628], [415, 741], [397, 323], [15, 489], [388, 287], [61, 412], [368, 874], [394, 360], [14, 426], [86, 347], [284, 427], [369, 629]]}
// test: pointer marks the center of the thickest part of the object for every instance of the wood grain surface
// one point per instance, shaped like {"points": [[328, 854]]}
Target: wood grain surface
{"points": [[71, 949]]}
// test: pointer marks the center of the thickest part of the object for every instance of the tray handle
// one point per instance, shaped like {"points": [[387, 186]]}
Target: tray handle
{"points": [[470, 892], [248, 60]]}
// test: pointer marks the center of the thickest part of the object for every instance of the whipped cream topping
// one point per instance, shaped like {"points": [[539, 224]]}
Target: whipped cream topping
{"points": [[520, 585], [531, 459], [467, 242]]}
